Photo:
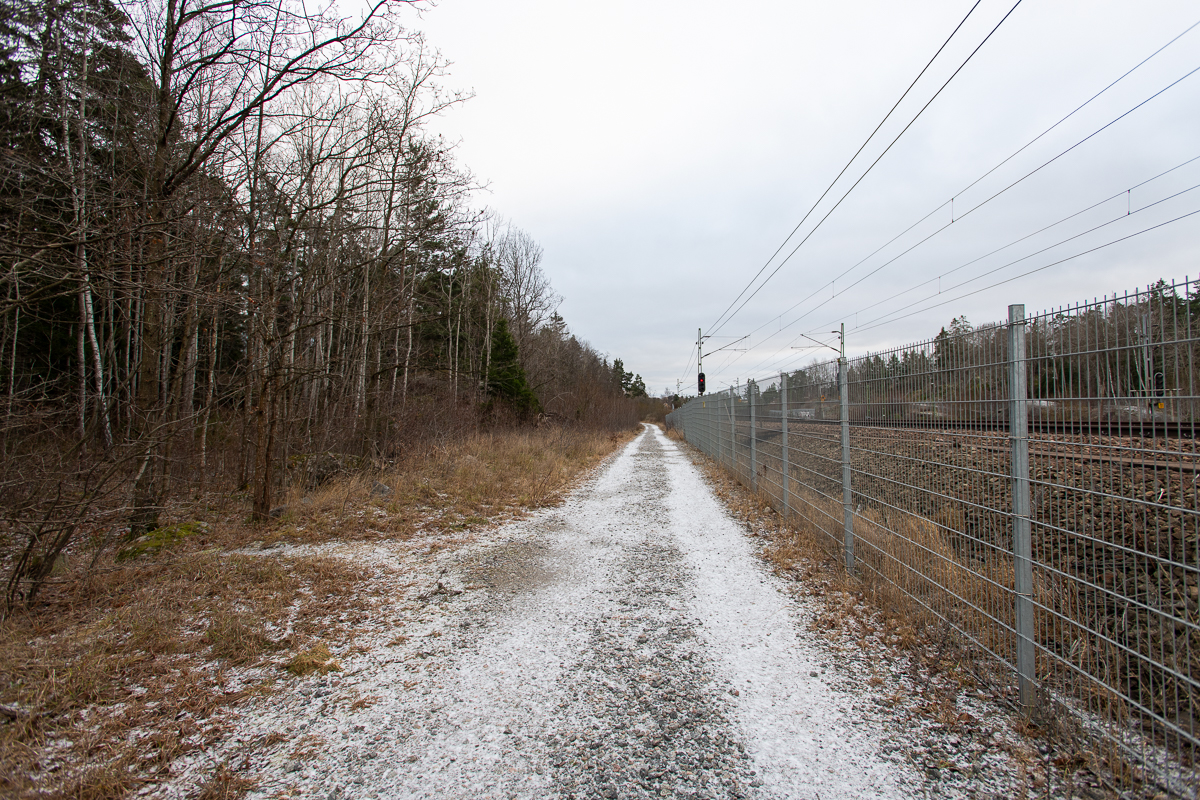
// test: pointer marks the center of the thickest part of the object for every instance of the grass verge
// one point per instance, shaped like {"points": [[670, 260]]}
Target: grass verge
{"points": [[137, 660]]}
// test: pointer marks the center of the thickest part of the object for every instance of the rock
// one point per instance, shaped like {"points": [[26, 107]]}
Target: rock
{"points": [[161, 538], [380, 490]]}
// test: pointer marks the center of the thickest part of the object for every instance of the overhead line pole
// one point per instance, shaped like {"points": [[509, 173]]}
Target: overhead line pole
{"points": [[847, 493]]}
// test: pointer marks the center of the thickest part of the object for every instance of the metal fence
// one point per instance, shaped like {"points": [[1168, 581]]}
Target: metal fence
{"points": [[1033, 484]]}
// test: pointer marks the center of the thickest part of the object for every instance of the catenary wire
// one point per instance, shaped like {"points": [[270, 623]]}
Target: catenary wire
{"points": [[994, 270], [1023, 238], [883, 321], [1024, 147], [1008, 245], [816, 227], [1002, 191], [848, 163], [997, 166]]}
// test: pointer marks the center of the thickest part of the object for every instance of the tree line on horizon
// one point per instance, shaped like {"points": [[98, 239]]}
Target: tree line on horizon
{"points": [[1106, 359]]}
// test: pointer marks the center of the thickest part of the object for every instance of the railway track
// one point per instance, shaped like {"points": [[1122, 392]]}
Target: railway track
{"points": [[1178, 461], [1153, 429]]}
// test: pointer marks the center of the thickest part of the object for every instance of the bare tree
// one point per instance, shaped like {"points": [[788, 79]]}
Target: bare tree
{"points": [[220, 67], [529, 299]]}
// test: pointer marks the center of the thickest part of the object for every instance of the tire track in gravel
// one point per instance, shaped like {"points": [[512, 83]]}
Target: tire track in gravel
{"points": [[654, 721]]}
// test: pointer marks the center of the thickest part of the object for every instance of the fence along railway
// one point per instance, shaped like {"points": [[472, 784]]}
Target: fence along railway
{"points": [[1032, 485]]}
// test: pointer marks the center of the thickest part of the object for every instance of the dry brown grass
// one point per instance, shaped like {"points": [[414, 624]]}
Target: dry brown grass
{"points": [[148, 644], [145, 647], [315, 659], [225, 784], [237, 637], [452, 485]]}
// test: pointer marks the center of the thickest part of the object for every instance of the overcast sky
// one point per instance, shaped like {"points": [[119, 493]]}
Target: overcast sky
{"points": [[660, 152]]}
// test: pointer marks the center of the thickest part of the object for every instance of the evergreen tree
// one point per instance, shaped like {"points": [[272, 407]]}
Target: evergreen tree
{"points": [[620, 376], [506, 378]]}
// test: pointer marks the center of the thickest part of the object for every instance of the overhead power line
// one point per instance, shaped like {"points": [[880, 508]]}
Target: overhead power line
{"points": [[884, 321], [1042, 268], [867, 141], [1027, 175], [1012, 243], [891, 317], [1108, 199], [973, 183], [868, 170]]}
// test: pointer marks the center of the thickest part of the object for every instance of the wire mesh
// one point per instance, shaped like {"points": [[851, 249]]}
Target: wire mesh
{"points": [[1113, 515]]}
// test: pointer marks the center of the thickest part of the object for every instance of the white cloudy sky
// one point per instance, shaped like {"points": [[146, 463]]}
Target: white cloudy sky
{"points": [[661, 151]]}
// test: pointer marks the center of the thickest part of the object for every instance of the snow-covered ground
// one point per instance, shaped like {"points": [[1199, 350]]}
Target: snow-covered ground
{"points": [[629, 643]]}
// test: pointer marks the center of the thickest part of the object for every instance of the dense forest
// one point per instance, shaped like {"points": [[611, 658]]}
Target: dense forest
{"points": [[231, 251]]}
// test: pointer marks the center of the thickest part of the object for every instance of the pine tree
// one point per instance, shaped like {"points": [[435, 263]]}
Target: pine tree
{"points": [[620, 376], [506, 378]]}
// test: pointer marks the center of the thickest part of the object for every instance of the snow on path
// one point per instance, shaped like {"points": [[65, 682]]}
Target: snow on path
{"points": [[627, 644], [798, 728]]}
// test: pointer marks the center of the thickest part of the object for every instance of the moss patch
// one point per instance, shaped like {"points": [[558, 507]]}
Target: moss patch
{"points": [[160, 538]]}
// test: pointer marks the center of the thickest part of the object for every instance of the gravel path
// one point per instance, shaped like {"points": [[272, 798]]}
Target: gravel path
{"points": [[627, 644]]}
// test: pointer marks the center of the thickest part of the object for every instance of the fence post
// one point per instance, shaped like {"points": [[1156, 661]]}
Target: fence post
{"points": [[751, 388], [847, 503], [719, 422], [722, 418], [720, 425], [733, 433], [1018, 426], [784, 443], [730, 453], [708, 417]]}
